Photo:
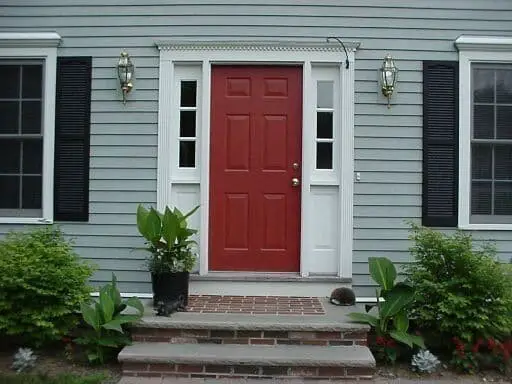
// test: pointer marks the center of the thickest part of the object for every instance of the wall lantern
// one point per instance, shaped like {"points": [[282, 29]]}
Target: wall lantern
{"points": [[125, 72], [388, 77]]}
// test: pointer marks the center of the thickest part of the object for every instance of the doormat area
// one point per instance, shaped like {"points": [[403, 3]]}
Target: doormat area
{"points": [[256, 305]]}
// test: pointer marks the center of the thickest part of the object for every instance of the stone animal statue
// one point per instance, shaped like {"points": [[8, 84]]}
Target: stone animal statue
{"points": [[343, 296], [168, 308]]}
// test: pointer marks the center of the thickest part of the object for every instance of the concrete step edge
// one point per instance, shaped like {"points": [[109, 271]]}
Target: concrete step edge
{"points": [[261, 355]]}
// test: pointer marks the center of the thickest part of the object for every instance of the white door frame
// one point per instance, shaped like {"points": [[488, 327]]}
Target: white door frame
{"points": [[306, 54]]}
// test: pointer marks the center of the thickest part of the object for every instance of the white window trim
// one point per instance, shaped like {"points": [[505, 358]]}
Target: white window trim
{"points": [[302, 53], [474, 49], [38, 46]]}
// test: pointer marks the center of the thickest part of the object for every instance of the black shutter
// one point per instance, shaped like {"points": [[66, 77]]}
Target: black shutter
{"points": [[440, 143], [72, 138]]}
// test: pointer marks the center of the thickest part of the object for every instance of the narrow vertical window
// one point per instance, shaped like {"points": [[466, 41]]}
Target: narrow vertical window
{"points": [[324, 124], [188, 124]]}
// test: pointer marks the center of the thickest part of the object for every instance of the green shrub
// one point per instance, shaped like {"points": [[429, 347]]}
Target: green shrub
{"points": [[462, 291], [42, 283], [46, 379]]}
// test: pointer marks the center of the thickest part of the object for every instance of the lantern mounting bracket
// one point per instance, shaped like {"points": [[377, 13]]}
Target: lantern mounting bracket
{"points": [[347, 64]]}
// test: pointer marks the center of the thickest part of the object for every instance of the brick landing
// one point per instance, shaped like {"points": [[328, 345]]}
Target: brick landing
{"points": [[256, 305]]}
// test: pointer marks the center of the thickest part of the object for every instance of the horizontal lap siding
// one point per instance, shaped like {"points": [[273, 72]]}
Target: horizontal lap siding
{"points": [[388, 147]]}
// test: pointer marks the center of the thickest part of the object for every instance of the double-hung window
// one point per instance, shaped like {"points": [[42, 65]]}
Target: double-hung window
{"points": [[27, 112], [485, 184]]}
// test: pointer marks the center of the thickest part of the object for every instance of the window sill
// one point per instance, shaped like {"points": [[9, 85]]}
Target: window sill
{"points": [[486, 227], [24, 220]]}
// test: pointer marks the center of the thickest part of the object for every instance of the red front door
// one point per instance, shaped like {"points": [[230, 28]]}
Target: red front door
{"points": [[256, 115]]}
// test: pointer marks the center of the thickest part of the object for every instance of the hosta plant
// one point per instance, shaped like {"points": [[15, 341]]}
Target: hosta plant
{"points": [[107, 321], [168, 238], [425, 362], [389, 316]]}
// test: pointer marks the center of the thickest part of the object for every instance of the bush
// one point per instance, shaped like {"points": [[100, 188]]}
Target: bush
{"points": [[461, 292], [42, 283]]}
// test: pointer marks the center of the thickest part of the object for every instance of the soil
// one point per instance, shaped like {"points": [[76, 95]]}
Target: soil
{"points": [[53, 362]]}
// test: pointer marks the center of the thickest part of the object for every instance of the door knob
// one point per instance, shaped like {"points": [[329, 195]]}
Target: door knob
{"points": [[295, 182]]}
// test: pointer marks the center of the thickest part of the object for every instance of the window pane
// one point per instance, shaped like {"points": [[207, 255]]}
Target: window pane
{"points": [[10, 156], [481, 197], [9, 192], [188, 93], [32, 81], [187, 124], [31, 117], [503, 198], [324, 125], [481, 161], [31, 196], [10, 80], [324, 155], [324, 94], [504, 122], [503, 162], [9, 116], [504, 86], [483, 121], [187, 154], [483, 86], [33, 156]]}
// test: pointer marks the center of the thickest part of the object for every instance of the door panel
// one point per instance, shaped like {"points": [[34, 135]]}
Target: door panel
{"points": [[256, 117]]}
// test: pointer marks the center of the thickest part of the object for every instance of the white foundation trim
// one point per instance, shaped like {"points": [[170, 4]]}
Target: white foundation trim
{"points": [[274, 53], [474, 49]]}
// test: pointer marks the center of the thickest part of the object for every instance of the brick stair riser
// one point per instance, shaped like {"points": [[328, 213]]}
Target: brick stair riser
{"points": [[206, 336], [246, 371]]}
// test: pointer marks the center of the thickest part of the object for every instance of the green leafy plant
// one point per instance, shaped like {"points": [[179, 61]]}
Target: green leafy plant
{"points": [[390, 320], [42, 283], [106, 318], [462, 291], [168, 238]]}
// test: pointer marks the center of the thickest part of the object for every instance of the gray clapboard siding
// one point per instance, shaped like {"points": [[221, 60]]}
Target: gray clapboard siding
{"points": [[388, 147]]}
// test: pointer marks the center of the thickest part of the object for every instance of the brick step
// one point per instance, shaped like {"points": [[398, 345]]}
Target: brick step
{"points": [[243, 361]]}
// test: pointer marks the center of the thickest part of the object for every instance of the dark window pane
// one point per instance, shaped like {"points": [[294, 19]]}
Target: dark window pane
{"points": [[187, 123], [504, 122], [324, 125], [324, 155], [481, 198], [481, 161], [504, 86], [31, 117], [10, 81], [9, 192], [31, 193], [503, 162], [187, 154], [32, 81], [188, 93], [324, 92], [502, 198], [32, 156], [9, 156], [483, 86], [483, 122], [9, 116]]}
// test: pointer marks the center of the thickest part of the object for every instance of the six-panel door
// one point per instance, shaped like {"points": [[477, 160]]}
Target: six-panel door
{"points": [[255, 168]]}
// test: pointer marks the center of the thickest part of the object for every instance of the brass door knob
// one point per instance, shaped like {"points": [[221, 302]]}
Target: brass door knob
{"points": [[295, 182]]}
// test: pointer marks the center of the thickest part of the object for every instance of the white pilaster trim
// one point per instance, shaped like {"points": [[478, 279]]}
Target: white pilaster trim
{"points": [[346, 193], [165, 102]]}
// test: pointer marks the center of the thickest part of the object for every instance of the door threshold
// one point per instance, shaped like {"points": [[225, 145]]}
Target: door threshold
{"points": [[268, 276]]}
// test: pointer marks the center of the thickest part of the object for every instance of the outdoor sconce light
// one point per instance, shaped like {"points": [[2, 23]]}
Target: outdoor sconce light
{"points": [[125, 72], [388, 77]]}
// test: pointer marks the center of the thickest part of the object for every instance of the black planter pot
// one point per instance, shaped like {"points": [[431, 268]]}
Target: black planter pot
{"points": [[168, 287]]}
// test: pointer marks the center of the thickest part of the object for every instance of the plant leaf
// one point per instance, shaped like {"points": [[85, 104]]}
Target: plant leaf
{"points": [[90, 316], [106, 303], [154, 226], [134, 302], [114, 325], [170, 225], [142, 215], [383, 272], [364, 318], [407, 339], [397, 299], [188, 214], [401, 321]]}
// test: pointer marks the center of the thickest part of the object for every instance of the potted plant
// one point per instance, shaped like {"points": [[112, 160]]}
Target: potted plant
{"points": [[168, 239]]}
